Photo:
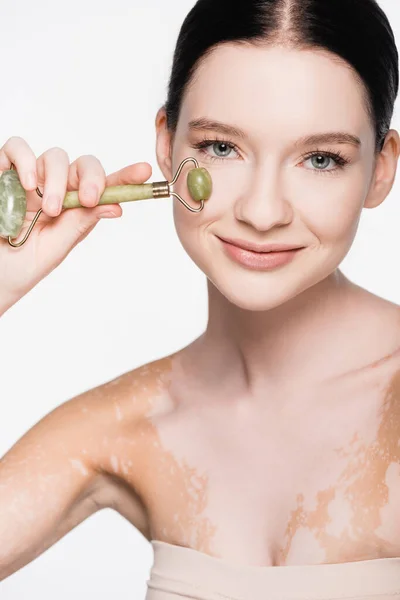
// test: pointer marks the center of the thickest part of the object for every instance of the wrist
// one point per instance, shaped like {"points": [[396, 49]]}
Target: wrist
{"points": [[7, 301]]}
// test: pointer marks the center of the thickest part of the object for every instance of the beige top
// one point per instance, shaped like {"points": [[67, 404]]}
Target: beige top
{"points": [[180, 573]]}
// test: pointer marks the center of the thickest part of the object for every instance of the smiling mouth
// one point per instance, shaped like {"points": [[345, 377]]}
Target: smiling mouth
{"points": [[260, 248], [259, 261]]}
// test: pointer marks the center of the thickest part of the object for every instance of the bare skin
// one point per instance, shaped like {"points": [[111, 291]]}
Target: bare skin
{"points": [[272, 439], [317, 481], [309, 474]]}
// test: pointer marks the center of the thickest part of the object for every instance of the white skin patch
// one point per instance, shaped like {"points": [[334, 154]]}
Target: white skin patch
{"points": [[114, 463], [118, 412], [78, 465], [340, 514], [304, 543]]}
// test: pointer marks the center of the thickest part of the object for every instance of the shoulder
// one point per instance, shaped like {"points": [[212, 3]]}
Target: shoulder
{"points": [[118, 415], [372, 351], [129, 397], [371, 332]]}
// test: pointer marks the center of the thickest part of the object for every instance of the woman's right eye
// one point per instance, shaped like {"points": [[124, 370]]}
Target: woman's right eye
{"points": [[221, 148]]}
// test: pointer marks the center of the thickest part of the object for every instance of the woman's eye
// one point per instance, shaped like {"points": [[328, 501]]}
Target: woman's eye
{"points": [[222, 149], [216, 149], [321, 160], [219, 150]]}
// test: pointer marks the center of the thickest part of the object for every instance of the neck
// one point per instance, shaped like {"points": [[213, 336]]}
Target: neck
{"points": [[303, 340]]}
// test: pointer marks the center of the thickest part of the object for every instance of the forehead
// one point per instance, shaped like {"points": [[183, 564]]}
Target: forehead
{"points": [[277, 90]]}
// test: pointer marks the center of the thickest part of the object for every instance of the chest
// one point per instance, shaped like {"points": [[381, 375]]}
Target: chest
{"points": [[312, 481]]}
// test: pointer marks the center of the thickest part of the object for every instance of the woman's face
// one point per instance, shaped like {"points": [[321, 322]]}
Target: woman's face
{"points": [[267, 186]]}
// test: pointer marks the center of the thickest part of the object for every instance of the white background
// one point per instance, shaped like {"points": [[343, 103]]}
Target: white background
{"points": [[89, 76]]}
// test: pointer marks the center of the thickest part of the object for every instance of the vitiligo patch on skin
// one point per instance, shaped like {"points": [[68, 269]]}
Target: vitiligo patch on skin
{"points": [[118, 412], [257, 492], [225, 476], [79, 466], [355, 517]]}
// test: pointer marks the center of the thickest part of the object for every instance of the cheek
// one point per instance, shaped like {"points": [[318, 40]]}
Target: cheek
{"points": [[193, 228], [226, 182], [332, 209], [190, 228]]}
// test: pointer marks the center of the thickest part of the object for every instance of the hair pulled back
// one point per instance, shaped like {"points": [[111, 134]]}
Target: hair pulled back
{"points": [[358, 31]]}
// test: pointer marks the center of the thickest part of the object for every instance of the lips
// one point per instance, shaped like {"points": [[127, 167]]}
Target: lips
{"points": [[259, 261], [260, 248]]}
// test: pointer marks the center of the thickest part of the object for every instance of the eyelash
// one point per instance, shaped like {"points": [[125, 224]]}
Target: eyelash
{"points": [[340, 159]]}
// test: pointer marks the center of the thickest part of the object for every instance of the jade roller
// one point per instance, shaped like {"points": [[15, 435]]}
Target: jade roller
{"points": [[13, 197]]}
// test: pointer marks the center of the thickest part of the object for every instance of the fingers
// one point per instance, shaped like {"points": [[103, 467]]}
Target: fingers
{"points": [[53, 174], [87, 175], [137, 173], [18, 152], [53, 169]]}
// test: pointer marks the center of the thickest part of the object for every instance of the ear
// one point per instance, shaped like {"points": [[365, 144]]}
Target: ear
{"points": [[164, 144], [385, 170]]}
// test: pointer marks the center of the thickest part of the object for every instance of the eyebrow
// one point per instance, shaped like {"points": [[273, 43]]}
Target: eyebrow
{"points": [[333, 137]]}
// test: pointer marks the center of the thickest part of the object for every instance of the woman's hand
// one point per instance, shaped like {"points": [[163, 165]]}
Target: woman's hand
{"points": [[54, 235]]}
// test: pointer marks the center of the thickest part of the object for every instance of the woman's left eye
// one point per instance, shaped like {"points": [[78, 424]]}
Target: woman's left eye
{"points": [[322, 158]]}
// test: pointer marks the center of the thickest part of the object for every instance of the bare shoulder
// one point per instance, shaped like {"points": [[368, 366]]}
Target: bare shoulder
{"points": [[127, 400], [123, 409], [371, 379], [372, 333], [131, 396], [79, 458]]}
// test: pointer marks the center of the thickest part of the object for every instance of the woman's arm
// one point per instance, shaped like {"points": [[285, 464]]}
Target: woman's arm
{"points": [[49, 480]]}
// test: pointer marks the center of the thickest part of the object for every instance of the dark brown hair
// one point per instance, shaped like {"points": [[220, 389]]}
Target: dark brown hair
{"points": [[358, 31]]}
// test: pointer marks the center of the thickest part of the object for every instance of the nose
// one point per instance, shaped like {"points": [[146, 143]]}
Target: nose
{"points": [[263, 205]]}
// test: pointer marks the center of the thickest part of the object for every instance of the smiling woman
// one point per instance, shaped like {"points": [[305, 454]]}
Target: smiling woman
{"points": [[289, 106], [299, 167], [273, 439]]}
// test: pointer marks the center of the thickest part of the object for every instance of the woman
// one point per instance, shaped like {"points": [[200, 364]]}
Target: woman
{"points": [[273, 438]]}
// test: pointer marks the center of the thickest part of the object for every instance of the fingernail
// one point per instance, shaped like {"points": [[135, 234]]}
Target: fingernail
{"points": [[31, 179], [107, 215], [90, 192], [53, 203]]}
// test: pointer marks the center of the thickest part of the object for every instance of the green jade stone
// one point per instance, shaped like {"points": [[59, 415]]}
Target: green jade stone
{"points": [[199, 184], [12, 204]]}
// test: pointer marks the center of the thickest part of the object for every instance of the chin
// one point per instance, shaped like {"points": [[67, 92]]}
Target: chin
{"points": [[257, 291], [258, 296]]}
